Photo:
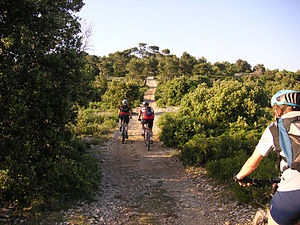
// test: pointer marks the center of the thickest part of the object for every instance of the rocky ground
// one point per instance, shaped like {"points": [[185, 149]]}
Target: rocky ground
{"points": [[152, 187], [141, 187]]}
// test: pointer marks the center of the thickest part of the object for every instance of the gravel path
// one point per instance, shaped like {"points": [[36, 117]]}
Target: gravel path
{"points": [[141, 187]]}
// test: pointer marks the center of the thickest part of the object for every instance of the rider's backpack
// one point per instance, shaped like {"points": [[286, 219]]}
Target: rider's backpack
{"points": [[148, 111], [124, 108], [288, 140]]}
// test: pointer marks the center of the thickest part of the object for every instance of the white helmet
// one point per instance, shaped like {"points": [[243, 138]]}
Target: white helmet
{"points": [[124, 101], [145, 103]]}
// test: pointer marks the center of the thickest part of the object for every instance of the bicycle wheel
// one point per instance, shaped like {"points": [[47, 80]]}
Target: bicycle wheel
{"points": [[260, 218], [123, 133], [145, 137], [148, 139]]}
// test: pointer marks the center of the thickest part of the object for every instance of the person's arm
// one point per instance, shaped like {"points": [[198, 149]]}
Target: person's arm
{"points": [[250, 165]]}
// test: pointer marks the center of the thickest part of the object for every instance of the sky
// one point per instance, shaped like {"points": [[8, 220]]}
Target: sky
{"points": [[257, 31]]}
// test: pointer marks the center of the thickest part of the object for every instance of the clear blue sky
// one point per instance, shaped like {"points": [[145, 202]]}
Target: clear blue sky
{"points": [[257, 31]]}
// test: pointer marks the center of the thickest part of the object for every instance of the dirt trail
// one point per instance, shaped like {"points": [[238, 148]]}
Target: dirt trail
{"points": [[152, 187]]}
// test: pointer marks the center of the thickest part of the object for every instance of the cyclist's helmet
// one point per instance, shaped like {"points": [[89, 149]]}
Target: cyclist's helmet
{"points": [[124, 101], [286, 97], [145, 103]]}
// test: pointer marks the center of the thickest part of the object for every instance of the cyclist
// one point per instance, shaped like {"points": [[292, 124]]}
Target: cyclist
{"points": [[147, 114], [285, 204], [124, 114]]}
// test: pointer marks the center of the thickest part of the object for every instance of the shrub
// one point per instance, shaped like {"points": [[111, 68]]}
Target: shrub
{"points": [[224, 169], [176, 131], [120, 89], [225, 101], [91, 121], [171, 92]]}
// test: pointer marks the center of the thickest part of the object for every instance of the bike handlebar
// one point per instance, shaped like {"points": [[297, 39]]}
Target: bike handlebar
{"points": [[257, 182]]}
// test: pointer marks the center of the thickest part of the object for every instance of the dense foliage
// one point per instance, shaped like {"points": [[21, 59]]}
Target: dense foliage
{"points": [[219, 125], [41, 77]]}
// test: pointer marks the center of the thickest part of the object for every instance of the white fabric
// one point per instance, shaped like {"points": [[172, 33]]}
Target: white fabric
{"points": [[290, 179]]}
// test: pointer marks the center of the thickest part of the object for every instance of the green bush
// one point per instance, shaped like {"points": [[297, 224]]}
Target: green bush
{"points": [[74, 176], [201, 149], [92, 121], [119, 89], [176, 131], [224, 169], [225, 102], [171, 92], [70, 173]]}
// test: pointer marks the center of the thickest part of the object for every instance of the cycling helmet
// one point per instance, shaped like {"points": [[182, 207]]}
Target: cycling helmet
{"points": [[145, 103], [124, 101], [286, 97]]}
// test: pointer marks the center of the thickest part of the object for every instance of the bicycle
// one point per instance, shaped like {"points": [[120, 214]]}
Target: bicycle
{"points": [[261, 216], [124, 133], [147, 136]]}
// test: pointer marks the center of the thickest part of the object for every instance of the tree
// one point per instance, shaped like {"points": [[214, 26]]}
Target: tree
{"points": [[202, 67], [186, 64], [41, 77], [219, 68], [120, 60], [243, 66], [93, 62], [142, 50], [166, 51], [151, 64], [259, 69], [119, 90], [105, 66], [297, 75], [86, 33], [168, 67], [135, 68], [153, 50]]}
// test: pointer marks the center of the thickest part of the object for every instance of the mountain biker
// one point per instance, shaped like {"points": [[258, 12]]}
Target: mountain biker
{"points": [[285, 204], [124, 114], [147, 114]]}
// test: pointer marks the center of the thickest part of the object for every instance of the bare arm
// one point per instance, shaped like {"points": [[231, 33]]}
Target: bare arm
{"points": [[250, 165]]}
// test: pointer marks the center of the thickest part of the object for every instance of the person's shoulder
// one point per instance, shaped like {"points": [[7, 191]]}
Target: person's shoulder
{"points": [[291, 114]]}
